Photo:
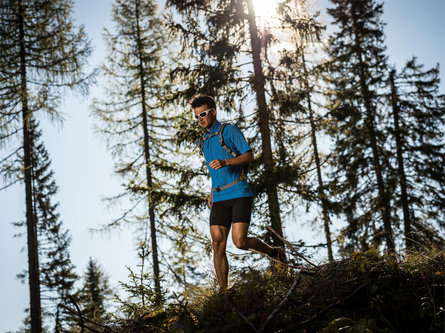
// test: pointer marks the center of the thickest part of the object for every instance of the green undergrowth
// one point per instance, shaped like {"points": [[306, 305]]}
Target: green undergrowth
{"points": [[364, 293]]}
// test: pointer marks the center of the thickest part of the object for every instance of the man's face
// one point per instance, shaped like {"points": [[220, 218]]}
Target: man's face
{"points": [[207, 121]]}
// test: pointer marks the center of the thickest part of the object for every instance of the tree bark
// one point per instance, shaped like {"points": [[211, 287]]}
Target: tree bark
{"points": [[154, 246], [263, 115], [31, 223], [400, 162]]}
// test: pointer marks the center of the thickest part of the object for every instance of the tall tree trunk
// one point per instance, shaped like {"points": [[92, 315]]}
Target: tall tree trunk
{"points": [[31, 223], [154, 246], [259, 86], [400, 162], [383, 200], [321, 194], [57, 326]]}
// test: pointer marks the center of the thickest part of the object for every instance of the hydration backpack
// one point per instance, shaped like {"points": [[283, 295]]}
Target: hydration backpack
{"points": [[221, 140], [226, 148]]}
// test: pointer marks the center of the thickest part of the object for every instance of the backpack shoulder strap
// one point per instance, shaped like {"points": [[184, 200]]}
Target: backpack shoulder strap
{"points": [[231, 152], [221, 140], [201, 144], [203, 139]]}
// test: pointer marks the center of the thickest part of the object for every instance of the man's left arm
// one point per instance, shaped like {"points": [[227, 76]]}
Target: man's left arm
{"points": [[245, 158]]}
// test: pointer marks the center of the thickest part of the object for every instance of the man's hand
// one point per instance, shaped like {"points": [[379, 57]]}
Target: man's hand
{"points": [[218, 164]]}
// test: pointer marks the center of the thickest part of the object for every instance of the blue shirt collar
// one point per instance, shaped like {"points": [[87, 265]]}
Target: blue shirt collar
{"points": [[214, 128]]}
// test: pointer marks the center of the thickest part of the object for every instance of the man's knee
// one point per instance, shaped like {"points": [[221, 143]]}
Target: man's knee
{"points": [[219, 244], [240, 243], [219, 237]]}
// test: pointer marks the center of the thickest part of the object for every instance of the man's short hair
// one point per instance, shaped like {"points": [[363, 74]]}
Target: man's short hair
{"points": [[200, 100]]}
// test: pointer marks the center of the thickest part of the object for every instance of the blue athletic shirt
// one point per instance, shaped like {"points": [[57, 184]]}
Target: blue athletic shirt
{"points": [[212, 150]]}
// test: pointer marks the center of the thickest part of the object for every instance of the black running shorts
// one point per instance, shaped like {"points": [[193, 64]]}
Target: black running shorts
{"points": [[234, 210]]}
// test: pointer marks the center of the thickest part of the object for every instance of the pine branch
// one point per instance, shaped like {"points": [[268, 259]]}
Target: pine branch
{"points": [[10, 184]]}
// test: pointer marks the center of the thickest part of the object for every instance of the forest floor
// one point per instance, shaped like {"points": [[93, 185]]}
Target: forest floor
{"points": [[367, 292]]}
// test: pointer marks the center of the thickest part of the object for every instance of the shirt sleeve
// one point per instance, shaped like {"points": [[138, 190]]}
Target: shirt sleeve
{"points": [[237, 140]]}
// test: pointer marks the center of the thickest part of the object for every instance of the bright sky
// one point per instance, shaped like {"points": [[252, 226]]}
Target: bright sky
{"points": [[83, 167]]}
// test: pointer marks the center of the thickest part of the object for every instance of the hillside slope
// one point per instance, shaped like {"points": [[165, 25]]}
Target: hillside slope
{"points": [[364, 293]]}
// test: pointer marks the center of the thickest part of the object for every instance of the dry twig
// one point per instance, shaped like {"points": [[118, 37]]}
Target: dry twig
{"points": [[280, 305], [291, 247], [273, 259], [82, 319]]}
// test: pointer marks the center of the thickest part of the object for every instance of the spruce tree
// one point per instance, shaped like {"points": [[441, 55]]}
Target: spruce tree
{"points": [[216, 48], [259, 86], [93, 296], [418, 116], [42, 54], [138, 126], [228, 57], [56, 270], [295, 83], [357, 70]]}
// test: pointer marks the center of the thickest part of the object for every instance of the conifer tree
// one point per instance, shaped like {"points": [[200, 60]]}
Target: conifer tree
{"points": [[295, 84], [136, 124], [418, 116], [41, 55], [94, 294], [259, 86], [56, 271], [228, 53], [321, 191], [216, 48], [140, 294], [356, 75]]}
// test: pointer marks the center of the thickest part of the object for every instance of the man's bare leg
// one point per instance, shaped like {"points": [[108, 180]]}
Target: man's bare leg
{"points": [[241, 241], [219, 242]]}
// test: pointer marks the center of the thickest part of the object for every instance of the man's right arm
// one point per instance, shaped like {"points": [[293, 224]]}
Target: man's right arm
{"points": [[245, 158]]}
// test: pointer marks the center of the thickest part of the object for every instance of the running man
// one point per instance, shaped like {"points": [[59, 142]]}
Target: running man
{"points": [[230, 197]]}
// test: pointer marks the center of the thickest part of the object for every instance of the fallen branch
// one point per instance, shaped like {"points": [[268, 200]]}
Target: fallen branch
{"points": [[273, 259], [79, 313], [82, 319], [82, 324], [291, 247], [280, 305]]}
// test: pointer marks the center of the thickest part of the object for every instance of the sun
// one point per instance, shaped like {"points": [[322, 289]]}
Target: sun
{"points": [[265, 10]]}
